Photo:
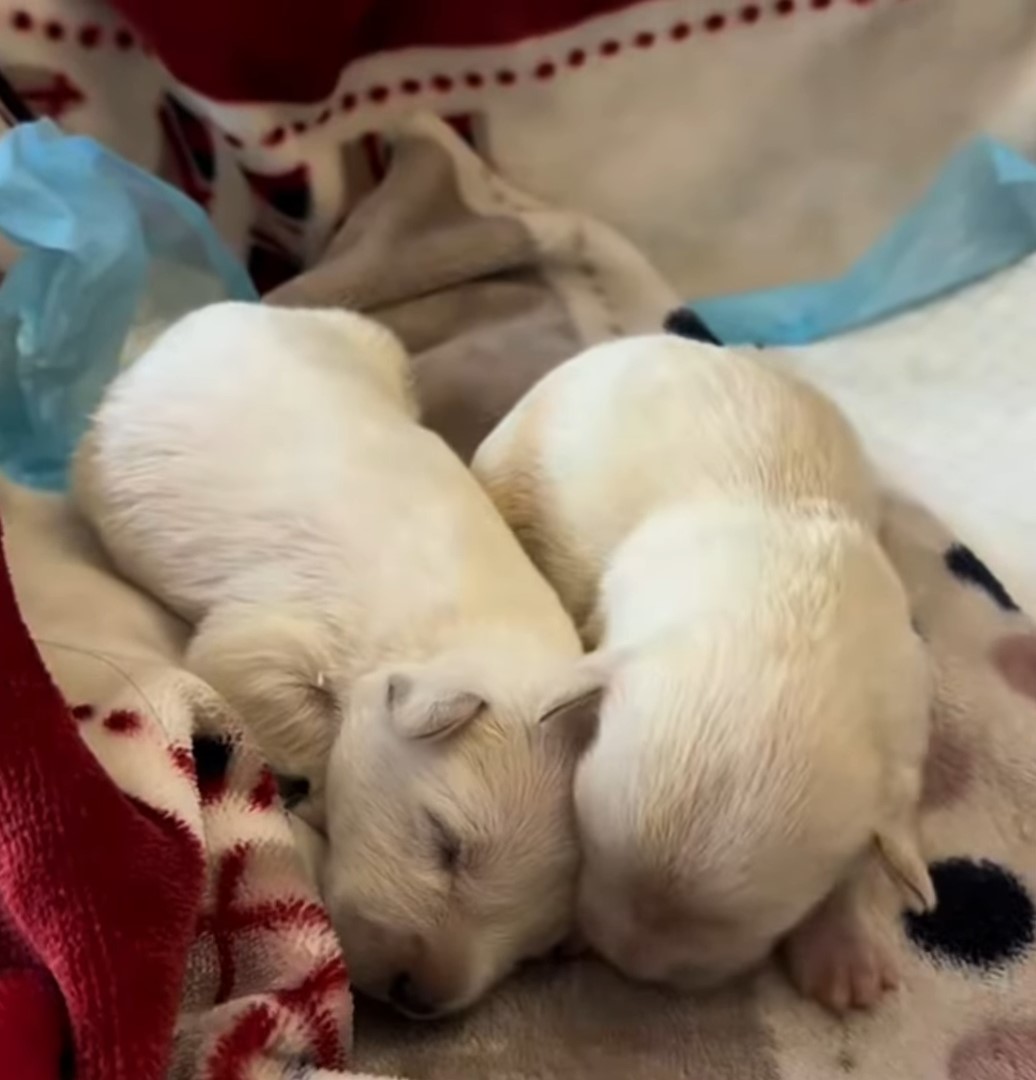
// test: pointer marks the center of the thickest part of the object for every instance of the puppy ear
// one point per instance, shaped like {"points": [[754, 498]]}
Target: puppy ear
{"points": [[421, 706], [577, 718], [575, 710], [900, 854]]}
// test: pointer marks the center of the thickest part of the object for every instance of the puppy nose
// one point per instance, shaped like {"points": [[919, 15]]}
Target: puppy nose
{"points": [[404, 994]]}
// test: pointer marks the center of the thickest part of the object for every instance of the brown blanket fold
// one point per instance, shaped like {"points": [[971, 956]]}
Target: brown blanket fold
{"points": [[487, 289]]}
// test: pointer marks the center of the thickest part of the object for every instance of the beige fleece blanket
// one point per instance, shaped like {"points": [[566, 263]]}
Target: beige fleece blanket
{"points": [[489, 289]]}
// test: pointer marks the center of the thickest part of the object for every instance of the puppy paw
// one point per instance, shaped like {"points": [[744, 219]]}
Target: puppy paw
{"points": [[834, 959]]}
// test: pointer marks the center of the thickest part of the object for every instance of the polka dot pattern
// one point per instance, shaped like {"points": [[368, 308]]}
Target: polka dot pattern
{"points": [[984, 918], [966, 566], [87, 35], [122, 721], [711, 24], [183, 761]]}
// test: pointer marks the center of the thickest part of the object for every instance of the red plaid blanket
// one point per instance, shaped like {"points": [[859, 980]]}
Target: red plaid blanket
{"points": [[155, 917]]}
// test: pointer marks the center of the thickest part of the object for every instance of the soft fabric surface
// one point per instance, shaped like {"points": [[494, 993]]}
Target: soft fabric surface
{"points": [[738, 143], [260, 984], [155, 918], [968, 972], [946, 400]]}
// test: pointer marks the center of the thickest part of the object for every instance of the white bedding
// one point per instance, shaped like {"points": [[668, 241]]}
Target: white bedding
{"points": [[945, 398]]}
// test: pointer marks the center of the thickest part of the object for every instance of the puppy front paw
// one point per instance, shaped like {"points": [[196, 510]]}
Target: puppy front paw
{"points": [[837, 961]]}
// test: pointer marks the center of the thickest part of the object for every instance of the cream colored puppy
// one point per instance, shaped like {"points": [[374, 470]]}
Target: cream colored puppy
{"points": [[359, 601], [710, 523]]}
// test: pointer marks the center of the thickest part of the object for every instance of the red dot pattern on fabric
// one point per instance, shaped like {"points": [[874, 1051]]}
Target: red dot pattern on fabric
{"points": [[89, 35], [82, 712], [183, 760], [714, 23], [122, 721]]}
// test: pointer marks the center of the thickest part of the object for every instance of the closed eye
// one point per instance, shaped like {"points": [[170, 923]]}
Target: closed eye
{"points": [[447, 845]]}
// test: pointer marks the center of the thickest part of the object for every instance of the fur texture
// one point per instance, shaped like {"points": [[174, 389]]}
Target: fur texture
{"points": [[711, 525], [359, 601]]}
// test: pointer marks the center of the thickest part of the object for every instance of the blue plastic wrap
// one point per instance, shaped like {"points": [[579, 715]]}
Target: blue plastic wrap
{"points": [[978, 217], [103, 246]]}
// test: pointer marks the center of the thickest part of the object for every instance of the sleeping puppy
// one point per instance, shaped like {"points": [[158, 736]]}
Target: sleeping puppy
{"points": [[359, 601], [762, 698]]}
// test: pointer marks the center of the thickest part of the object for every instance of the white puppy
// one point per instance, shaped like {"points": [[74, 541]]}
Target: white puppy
{"points": [[710, 523], [356, 595]]}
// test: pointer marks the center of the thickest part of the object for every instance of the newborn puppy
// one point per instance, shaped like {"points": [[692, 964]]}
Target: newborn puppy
{"points": [[710, 523], [362, 605]]}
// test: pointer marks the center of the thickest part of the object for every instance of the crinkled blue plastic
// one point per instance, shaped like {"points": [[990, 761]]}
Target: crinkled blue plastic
{"points": [[978, 217], [102, 245]]}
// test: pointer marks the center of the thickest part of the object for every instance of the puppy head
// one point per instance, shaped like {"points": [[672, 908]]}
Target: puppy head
{"points": [[453, 851], [735, 781]]}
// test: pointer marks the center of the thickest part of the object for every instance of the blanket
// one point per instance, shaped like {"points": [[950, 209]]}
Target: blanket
{"points": [[737, 143], [966, 1008], [159, 920], [155, 915]]}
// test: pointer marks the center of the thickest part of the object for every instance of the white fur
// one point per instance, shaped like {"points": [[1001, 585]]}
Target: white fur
{"points": [[711, 525], [359, 601]]}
